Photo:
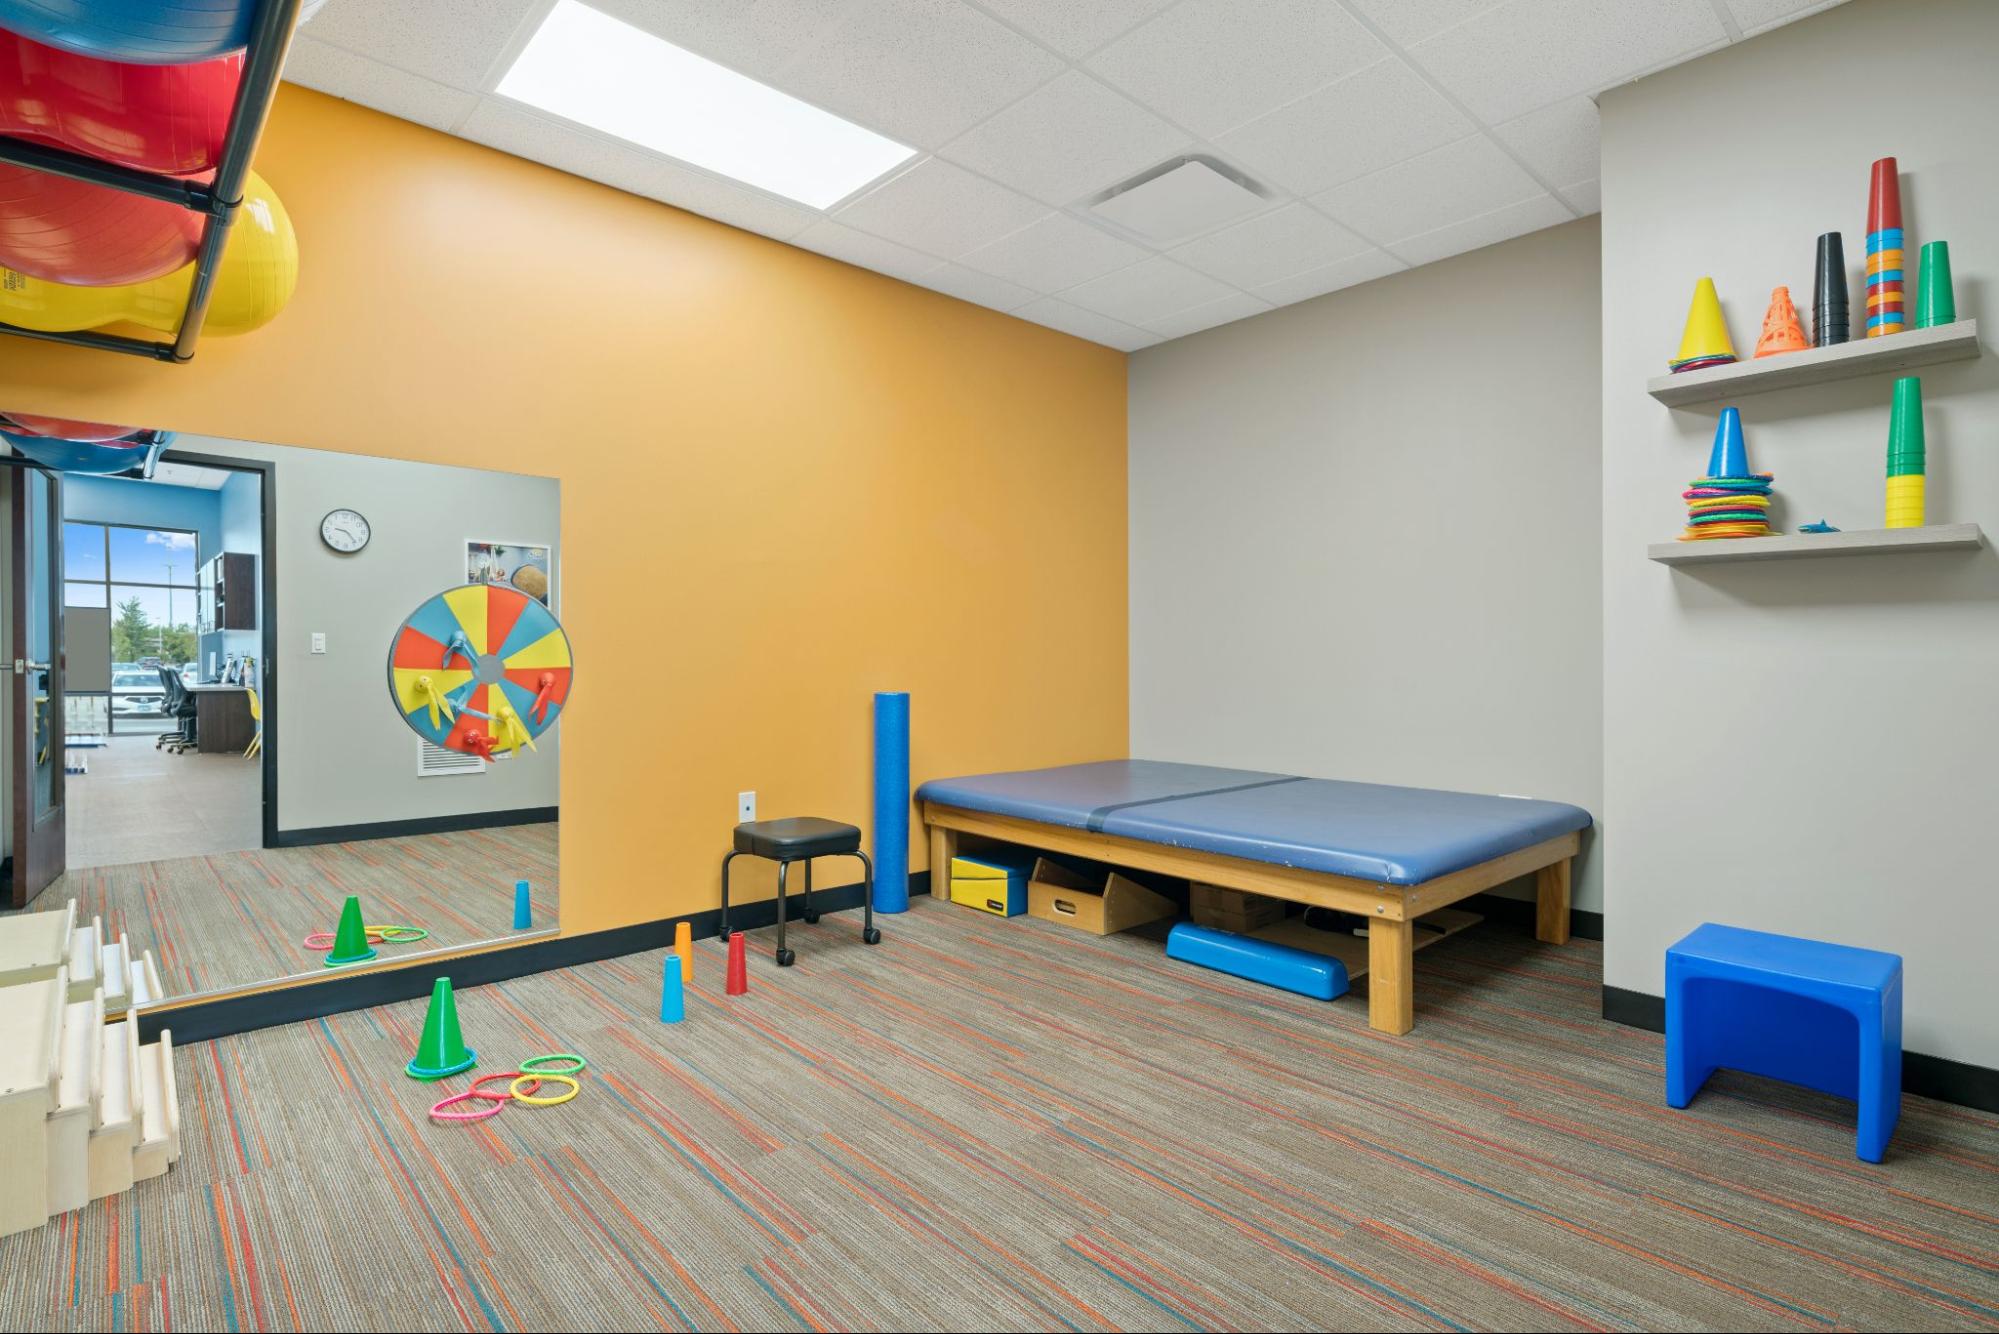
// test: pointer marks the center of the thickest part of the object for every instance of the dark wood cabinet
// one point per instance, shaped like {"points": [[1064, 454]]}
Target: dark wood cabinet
{"points": [[228, 593]]}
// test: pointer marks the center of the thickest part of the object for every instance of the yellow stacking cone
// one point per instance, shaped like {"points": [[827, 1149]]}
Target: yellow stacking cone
{"points": [[1705, 341]]}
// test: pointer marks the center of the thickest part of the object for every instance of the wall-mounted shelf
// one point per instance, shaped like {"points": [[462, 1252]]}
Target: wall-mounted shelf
{"points": [[1877, 541], [1819, 365]]}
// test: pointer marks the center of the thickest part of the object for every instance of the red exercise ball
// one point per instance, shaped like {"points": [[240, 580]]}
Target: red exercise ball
{"points": [[163, 118], [62, 428], [65, 231]]}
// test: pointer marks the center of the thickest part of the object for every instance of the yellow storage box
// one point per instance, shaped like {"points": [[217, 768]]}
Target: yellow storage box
{"points": [[991, 884]]}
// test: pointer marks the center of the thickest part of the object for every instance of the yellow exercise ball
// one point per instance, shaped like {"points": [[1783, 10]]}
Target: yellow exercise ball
{"points": [[257, 276]]}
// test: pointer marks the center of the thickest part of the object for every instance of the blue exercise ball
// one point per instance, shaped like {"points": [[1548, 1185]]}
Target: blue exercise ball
{"points": [[135, 32]]}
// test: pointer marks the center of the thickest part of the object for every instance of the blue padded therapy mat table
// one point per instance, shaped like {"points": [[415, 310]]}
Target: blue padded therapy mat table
{"points": [[1390, 854]]}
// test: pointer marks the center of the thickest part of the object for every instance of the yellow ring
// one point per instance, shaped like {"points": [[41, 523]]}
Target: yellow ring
{"points": [[515, 1089]]}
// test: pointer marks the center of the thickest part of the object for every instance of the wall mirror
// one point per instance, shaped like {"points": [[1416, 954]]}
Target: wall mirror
{"points": [[257, 682]]}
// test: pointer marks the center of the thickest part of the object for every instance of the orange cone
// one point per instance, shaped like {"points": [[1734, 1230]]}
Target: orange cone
{"points": [[1781, 330], [683, 949]]}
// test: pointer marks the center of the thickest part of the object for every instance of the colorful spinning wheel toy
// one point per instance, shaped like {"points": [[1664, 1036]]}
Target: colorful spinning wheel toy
{"points": [[483, 669]]}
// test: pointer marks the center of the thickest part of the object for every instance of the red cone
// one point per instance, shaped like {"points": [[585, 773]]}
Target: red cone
{"points": [[739, 966]]}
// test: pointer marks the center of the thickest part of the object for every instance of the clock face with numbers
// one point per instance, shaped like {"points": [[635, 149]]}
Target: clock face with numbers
{"points": [[345, 531]]}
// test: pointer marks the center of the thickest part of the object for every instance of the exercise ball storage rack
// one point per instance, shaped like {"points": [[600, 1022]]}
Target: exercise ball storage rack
{"points": [[218, 202]]}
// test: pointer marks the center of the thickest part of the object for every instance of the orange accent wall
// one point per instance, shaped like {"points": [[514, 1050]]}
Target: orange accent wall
{"points": [[786, 482]]}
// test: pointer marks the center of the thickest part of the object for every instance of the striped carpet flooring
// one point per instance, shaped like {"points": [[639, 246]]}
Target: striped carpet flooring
{"points": [[984, 1124], [231, 919]]}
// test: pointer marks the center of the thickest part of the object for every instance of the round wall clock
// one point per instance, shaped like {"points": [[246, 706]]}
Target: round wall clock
{"points": [[345, 531]]}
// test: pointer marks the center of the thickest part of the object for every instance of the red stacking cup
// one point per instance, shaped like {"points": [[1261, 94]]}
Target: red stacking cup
{"points": [[739, 966]]}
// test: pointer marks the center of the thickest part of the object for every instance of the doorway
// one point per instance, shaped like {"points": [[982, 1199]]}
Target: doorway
{"points": [[166, 639]]}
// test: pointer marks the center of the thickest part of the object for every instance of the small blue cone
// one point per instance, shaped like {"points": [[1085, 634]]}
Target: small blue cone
{"points": [[523, 914], [672, 1001], [1730, 456]]}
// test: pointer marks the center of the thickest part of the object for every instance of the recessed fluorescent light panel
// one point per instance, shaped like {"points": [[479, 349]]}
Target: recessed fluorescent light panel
{"points": [[586, 66]]}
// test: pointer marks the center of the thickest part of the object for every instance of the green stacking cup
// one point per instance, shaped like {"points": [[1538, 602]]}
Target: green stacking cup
{"points": [[1906, 453], [1935, 302]]}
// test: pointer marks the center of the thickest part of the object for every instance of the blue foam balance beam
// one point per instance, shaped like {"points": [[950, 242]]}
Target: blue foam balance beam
{"points": [[1279, 966]]}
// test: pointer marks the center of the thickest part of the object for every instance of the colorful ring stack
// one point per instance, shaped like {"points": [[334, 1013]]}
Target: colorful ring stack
{"points": [[1886, 312]]}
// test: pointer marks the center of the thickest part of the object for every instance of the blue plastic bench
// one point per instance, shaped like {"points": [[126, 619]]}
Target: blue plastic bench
{"points": [[1827, 1017]]}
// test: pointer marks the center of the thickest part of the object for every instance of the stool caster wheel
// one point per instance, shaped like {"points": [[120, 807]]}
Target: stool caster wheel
{"points": [[871, 936], [785, 958], [812, 918]]}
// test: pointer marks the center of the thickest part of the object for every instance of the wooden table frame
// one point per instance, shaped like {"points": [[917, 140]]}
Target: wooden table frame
{"points": [[1390, 908]]}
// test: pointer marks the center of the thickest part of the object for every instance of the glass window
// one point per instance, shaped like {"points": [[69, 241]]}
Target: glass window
{"points": [[83, 551], [152, 556], [152, 623], [85, 595]]}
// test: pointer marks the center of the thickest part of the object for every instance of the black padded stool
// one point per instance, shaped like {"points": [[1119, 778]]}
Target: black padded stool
{"points": [[801, 839]]}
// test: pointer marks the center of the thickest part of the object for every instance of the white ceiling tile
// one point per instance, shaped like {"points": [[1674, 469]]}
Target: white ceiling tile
{"points": [[1234, 306], [1407, 21], [1351, 272], [1053, 253], [941, 209], [981, 289], [865, 250], [1525, 54], [1445, 185], [1067, 139], [753, 37], [1585, 197], [1210, 65], [920, 71], [1274, 245], [1074, 27], [453, 42], [1755, 16], [1484, 230], [511, 129], [1149, 290], [1381, 115], [1558, 141], [336, 70], [1059, 314]]}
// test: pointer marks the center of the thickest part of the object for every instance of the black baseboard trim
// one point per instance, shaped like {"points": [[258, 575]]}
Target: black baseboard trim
{"points": [[359, 990], [1936, 1077], [1520, 912], [430, 824]]}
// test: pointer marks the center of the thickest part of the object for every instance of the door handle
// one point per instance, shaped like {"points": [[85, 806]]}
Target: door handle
{"points": [[30, 666]]}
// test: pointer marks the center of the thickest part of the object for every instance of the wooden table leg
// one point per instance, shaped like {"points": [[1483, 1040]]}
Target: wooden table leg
{"points": [[943, 847], [1391, 976], [1551, 902]]}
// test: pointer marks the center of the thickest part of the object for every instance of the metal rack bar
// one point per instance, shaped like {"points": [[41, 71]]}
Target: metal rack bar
{"points": [[264, 63]]}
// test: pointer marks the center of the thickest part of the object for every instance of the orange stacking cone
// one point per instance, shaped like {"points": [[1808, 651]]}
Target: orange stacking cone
{"points": [[683, 949], [1781, 330], [739, 966], [441, 1050]]}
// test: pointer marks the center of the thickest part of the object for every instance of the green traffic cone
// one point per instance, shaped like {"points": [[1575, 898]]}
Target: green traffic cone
{"points": [[442, 1050], [350, 942]]}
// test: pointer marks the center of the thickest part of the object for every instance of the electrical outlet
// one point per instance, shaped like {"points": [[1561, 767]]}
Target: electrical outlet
{"points": [[746, 807], [318, 642]]}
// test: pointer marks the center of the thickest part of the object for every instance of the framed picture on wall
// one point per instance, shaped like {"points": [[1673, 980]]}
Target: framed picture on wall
{"points": [[523, 565]]}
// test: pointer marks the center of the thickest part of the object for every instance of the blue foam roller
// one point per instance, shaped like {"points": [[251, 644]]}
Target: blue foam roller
{"points": [[1281, 966], [523, 910], [672, 998], [892, 801]]}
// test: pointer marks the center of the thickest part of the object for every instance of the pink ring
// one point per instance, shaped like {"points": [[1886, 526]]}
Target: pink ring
{"points": [[438, 1113], [476, 1092]]}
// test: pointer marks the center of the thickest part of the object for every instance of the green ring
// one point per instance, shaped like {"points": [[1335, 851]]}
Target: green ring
{"points": [[533, 1064]]}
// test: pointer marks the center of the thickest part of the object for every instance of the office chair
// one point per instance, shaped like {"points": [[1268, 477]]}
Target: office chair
{"points": [[179, 704]]}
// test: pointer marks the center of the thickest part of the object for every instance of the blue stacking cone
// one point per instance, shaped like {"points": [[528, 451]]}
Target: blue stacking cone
{"points": [[1730, 456], [672, 1000], [523, 914]]}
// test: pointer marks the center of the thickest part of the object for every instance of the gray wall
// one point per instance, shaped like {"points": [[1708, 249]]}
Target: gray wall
{"points": [[1805, 747], [344, 756], [1364, 537]]}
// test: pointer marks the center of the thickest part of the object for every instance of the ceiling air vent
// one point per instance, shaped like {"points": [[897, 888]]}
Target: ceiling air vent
{"points": [[437, 762], [1180, 198]]}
